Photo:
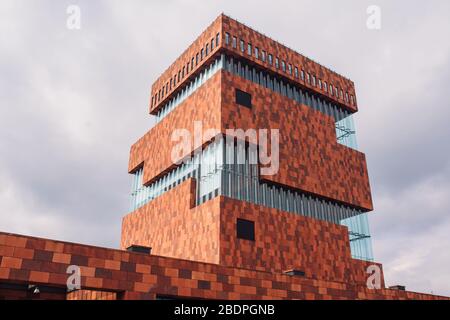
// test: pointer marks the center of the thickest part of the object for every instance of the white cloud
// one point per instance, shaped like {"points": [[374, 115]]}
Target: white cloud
{"points": [[410, 232]]}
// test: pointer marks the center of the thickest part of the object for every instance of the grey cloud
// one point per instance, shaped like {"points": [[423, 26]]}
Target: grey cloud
{"points": [[72, 103]]}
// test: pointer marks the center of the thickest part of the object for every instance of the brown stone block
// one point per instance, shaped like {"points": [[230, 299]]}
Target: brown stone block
{"points": [[24, 253], [96, 263], [142, 287], [15, 241], [6, 251], [93, 282], [4, 273], [142, 268], [10, 262], [54, 246], [39, 277], [61, 258], [87, 271], [112, 264]]}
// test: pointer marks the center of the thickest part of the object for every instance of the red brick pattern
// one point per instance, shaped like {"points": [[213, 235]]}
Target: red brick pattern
{"points": [[311, 159], [256, 39], [285, 241], [224, 24], [175, 228], [140, 276], [182, 61], [207, 233], [154, 149]]}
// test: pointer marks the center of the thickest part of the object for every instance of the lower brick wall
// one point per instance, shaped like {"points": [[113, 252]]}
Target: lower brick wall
{"points": [[29, 260], [284, 240], [176, 228], [207, 233]]}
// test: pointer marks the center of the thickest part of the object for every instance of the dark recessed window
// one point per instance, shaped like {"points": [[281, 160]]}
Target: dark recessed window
{"points": [[245, 229], [139, 249], [227, 38], [243, 98], [295, 272], [234, 43], [241, 45]]}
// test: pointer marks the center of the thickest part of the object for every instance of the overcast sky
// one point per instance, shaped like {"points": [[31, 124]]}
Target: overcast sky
{"points": [[73, 101]]}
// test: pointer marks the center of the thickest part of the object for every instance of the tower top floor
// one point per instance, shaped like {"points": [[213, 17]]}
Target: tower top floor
{"points": [[226, 35]]}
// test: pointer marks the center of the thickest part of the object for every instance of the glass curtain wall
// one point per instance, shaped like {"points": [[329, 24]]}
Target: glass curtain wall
{"points": [[359, 234], [345, 130], [227, 167], [188, 89]]}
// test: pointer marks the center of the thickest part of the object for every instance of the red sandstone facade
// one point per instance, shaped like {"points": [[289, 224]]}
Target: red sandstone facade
{"points": [[117, 274], [195, 249], [162, 88]]}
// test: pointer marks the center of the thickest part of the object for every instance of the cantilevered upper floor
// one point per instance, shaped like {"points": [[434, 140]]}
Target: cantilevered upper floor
{"points": [[226, 35]]}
